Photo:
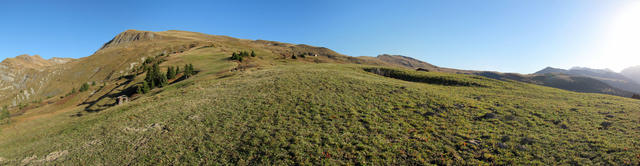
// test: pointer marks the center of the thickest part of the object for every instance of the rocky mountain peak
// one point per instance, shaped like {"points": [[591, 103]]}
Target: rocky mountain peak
{"points": [[128, 37]]}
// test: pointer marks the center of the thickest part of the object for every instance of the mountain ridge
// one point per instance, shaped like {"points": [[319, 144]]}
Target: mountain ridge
{"points": [[295, 104], [610, 77]]}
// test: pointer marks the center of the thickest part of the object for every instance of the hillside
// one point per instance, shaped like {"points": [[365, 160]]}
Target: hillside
{"points": [[30, 80], [615, 80], [300, 105]]}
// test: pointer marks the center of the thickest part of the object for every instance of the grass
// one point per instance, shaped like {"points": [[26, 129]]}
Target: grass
{"points": [[337, 114]]}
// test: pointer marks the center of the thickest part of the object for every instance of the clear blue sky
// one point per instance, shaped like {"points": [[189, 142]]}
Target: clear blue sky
{"points": [[500, 35]]}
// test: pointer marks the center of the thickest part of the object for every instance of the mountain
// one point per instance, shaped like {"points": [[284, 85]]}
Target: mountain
{"points": [[632, 73], [551, 77], [561, 81], [26, 76], [295, 104], [616, 80], [406, 61]]}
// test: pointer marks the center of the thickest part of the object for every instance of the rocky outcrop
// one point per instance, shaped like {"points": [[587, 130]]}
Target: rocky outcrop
{"points": [[128, 37], [24, 76]]}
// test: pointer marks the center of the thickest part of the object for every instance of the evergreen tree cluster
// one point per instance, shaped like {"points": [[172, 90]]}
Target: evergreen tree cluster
{"points": [[635, 96], [304, 55], [155, 79], [239, 56]]}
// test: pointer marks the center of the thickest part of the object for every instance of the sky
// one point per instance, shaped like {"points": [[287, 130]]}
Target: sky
{"points": [[497, 35]]}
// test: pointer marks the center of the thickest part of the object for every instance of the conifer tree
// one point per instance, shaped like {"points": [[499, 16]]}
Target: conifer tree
{"points": [[170, 73], [145, 87], [253, 54], [187, 73]]}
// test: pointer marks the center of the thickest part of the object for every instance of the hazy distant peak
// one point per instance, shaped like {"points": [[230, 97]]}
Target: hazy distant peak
{"points": [[632, 73], [550, 70], [592, 70]]}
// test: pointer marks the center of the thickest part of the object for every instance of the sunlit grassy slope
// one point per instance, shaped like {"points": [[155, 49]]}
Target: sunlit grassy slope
{"points": [[307, 113]]}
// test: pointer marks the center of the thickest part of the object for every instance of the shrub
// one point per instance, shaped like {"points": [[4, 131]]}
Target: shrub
{"points": [[253, 54], [4, 113], [84, 87], [139, 89]]}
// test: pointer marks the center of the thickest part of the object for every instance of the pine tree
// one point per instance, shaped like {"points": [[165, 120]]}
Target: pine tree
{"points": [[162, 81], [187, 73], [188, 70], [145, 87], [170, 73], [253, 54], [177, 70]]}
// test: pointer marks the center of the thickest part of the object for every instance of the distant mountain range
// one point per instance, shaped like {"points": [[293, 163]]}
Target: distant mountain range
{"points": [[616, 80], [578, 79]]}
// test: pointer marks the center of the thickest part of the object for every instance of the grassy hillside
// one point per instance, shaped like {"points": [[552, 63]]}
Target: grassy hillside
{"points": [[303, 113], [320, 107]]}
